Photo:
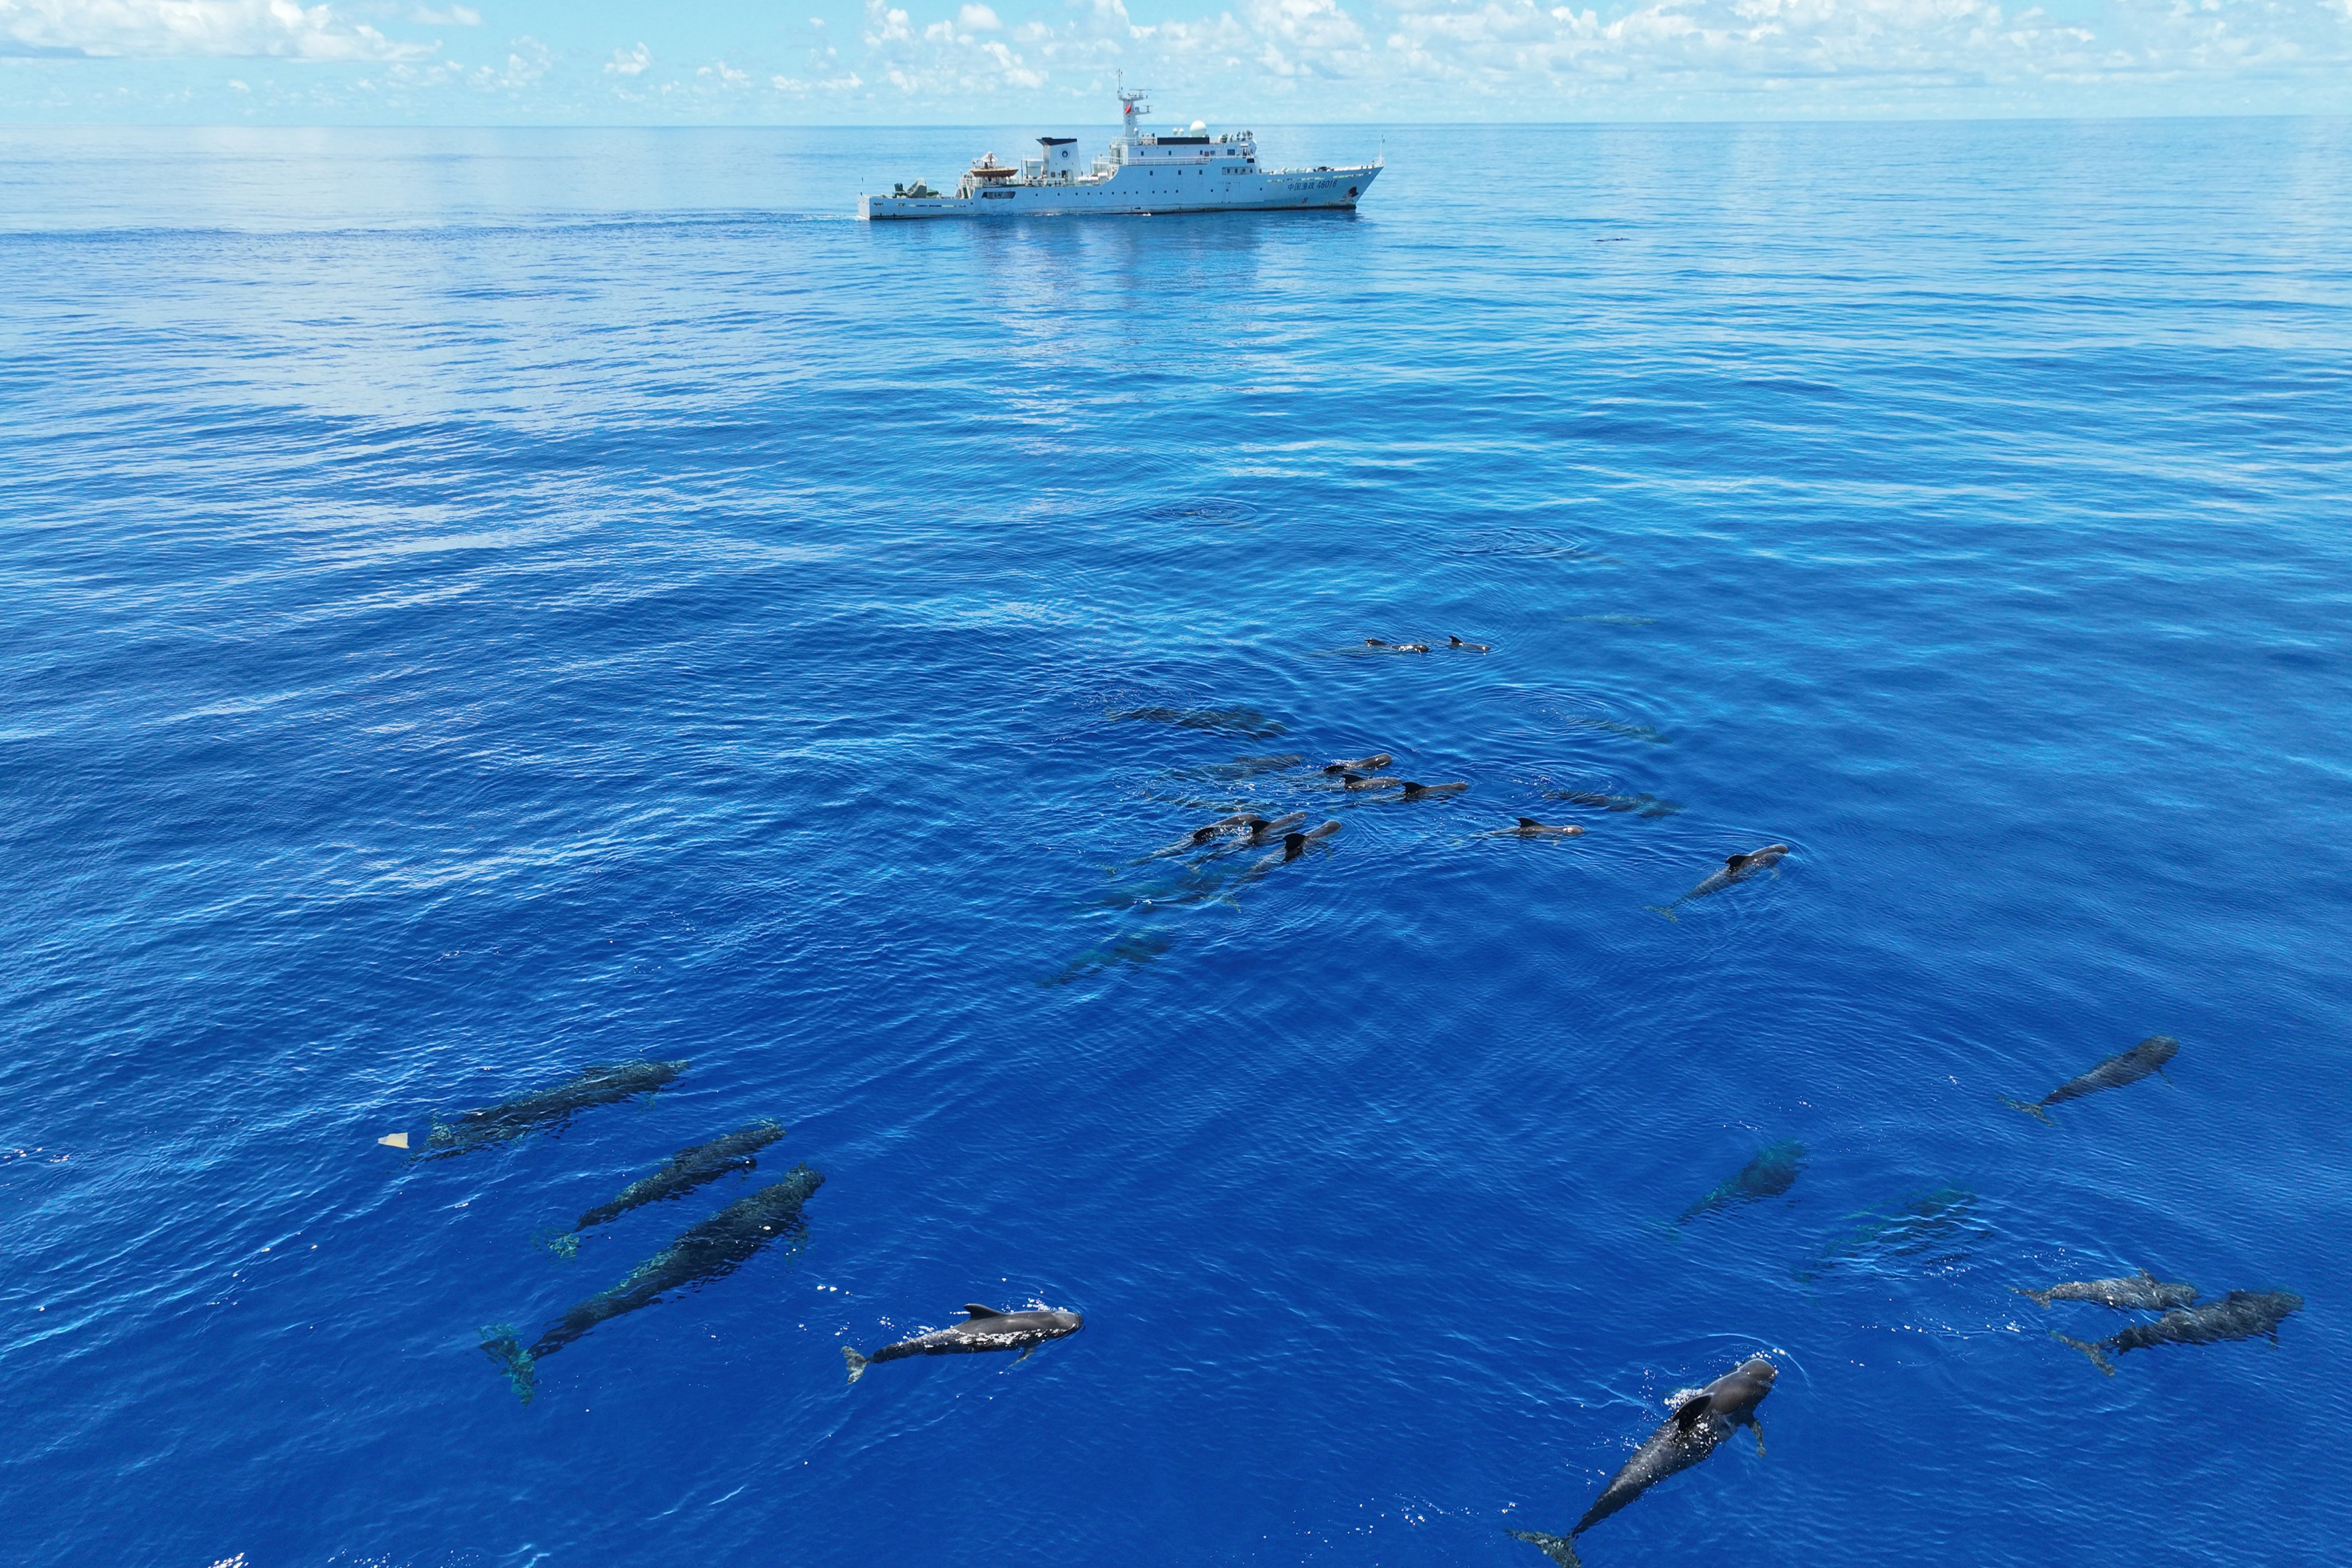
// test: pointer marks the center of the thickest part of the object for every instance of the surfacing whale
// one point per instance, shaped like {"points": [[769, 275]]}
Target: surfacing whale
{"points": [[2143, 1292], [1736, 869], [984, 1329], [549, 1108], [1703, 1418], [1529, 827]]}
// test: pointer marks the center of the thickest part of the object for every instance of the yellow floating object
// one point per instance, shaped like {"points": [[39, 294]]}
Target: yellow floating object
{"points": [[397, 1139]]}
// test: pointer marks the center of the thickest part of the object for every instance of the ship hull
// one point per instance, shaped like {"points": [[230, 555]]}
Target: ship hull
{"points": [[1133, 193]]}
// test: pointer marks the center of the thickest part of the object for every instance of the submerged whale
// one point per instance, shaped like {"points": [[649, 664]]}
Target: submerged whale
{"points": [[984, 1328], [1648, 805], [1397, 646], [2126, 1067], [1933, 1226], [1233, 721], [682, 1173], [1370, 765], [711, 1250], [1736, 869], [2141, 1293], [1413, 791], [549, 1108], [1700, 1423], [2239, 1315], [1773, 1171]]}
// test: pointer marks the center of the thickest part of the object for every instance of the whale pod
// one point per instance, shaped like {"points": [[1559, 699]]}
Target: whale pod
{"points": [[2239, 1315]]}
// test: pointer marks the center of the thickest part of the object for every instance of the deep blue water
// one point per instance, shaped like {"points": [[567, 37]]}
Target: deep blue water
{"points": [[482, 603]]}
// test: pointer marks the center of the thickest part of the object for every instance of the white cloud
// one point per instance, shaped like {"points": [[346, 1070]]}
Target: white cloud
{"points": [[947, 59], [629, 62], [156, 29], [448, 17], [725, 75]]}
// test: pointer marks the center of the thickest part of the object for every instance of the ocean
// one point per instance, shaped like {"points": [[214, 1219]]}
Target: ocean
{"points": [[485, 604]]}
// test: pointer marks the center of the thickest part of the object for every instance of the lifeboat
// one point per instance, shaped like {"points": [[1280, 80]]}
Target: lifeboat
{"points": [[988, 168]]}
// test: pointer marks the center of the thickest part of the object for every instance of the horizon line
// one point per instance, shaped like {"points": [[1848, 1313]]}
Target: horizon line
{"points": [[2043, 118]]}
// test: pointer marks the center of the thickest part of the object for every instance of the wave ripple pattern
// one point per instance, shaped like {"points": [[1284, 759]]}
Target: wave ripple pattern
{"points": [[482, 605]]}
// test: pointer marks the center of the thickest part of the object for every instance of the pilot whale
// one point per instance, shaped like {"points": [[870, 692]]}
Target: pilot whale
{"points": [[1700, 1423], [1370, 765], [682, 1173], [1773, 1171], [2141, 1293], [1529, 827], [711, 1250], [549, 1108], [984, 1328], [2239, 1315], [2125, 1067], [1736, 869]]}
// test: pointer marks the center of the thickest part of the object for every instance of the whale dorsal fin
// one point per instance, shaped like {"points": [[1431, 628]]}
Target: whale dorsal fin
{"points": [[974, 1310], [1733, 862], [1529, 821], [1687, 1415]]}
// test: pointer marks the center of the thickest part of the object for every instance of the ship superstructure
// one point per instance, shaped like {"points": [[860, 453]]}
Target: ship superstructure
{"points": [[1144, 172]]}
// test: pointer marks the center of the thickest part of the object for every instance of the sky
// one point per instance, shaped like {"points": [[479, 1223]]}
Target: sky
{"points": [[917, 62]]}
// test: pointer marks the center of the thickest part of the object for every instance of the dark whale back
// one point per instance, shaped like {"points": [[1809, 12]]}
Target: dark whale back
{"points": [[1699, 1426], [2125, 1067]]}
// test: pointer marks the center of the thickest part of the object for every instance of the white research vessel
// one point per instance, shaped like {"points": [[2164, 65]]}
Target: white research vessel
{"points": [[1143, 173]]}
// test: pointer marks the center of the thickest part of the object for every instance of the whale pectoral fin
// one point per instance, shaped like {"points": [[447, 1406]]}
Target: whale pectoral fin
{"points": [[1757, 1427], [2096, 1352], [1558, 1548], [1028, 1351]]}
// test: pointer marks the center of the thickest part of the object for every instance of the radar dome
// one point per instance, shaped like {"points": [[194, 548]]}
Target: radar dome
{"points": [[1200, 125]]}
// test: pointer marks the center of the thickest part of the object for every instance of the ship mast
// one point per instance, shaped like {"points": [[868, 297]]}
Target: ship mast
{"points": [[1130, 104]]}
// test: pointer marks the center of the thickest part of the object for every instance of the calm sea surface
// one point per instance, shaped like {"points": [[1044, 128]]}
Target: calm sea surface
{"points": [[483, 604]]}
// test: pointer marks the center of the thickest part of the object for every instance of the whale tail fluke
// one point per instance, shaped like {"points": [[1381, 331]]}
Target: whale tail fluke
{"points": [[558, 1242], [499, 1344], [855, 1362], [2098, 1356], [1558, 1548], [2030, 1109], [2041, 1297]]}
